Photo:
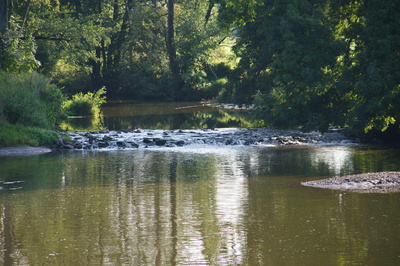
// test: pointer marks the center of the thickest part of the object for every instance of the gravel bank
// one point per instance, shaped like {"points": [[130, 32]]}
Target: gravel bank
{"points": [[380, 182]]}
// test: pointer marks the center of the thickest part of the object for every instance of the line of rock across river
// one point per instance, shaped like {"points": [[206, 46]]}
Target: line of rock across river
{"points": [[381, 182], [125, 139]]}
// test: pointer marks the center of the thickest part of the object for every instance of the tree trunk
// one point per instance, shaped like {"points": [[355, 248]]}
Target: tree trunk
{"points": [[5, 13], [25, 18], [177, 81], [96, 76]]}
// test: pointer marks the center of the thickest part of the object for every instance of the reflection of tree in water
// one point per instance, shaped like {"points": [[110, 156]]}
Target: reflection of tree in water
{"points": [[237, 206], [83, 124], [174, 226], [195, 120]]}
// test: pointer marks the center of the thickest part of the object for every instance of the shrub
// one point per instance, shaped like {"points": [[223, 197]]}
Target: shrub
{"points": [[29, 99], [85, 104]]}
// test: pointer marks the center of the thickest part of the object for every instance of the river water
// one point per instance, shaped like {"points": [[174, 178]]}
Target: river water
{"points": [[197, 205]]}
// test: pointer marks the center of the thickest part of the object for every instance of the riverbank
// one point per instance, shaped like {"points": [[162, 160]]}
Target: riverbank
{"points": [[17, 135]]}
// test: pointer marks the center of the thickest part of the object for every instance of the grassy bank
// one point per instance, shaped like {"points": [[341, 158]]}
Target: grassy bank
{"points": [[20, 135], [30, 109]]}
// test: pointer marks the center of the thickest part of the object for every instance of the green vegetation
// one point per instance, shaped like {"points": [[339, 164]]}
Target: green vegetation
{"points": [[315, 64], [87, 104], [30, 99], [31, 108], [307, 64], [140, 49], [19, 135]]}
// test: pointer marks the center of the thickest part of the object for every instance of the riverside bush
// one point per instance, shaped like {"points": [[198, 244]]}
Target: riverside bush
{"points": [[29, 99], [85, 104]]}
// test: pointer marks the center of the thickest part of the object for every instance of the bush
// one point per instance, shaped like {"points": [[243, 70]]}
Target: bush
{"points": [[29, 99], [85, 104], [216, 87]]}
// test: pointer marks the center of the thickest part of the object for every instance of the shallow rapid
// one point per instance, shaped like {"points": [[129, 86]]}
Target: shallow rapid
{"points": [[125, 139]]}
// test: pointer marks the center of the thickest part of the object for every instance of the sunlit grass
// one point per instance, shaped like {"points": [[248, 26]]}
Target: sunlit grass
{"points": [[19, 135]]}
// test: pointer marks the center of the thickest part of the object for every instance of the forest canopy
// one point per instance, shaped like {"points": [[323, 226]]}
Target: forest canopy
{"points": [[302, 63]]}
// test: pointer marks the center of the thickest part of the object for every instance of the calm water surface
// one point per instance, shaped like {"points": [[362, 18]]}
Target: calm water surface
{"points": [[196, 205], [131, 115]]}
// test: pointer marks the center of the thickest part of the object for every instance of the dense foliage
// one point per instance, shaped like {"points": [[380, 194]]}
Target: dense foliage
{"points": [[303, 63], [30, 99], [318, 63], [143, 49], [30, 109], [87, 104]]}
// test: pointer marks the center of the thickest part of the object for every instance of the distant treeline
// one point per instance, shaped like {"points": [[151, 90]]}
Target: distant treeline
{"points": [[301, 63]]}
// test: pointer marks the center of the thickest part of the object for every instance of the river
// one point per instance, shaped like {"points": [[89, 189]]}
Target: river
{"points": [[196, 205]]}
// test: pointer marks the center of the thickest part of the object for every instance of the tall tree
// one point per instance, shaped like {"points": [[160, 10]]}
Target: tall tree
{"points": [[5, 13], [377, 67], [177, 81], [287, 52]]}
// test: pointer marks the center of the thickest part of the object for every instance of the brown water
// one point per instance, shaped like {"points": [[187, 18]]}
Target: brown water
{"points": [[196, 206]]}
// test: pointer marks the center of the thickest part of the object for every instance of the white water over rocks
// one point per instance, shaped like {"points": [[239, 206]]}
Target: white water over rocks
{"points": [[125, 139]]}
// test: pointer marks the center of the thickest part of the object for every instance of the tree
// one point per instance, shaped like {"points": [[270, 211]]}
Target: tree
{"points": [[377, 67], [287, 52], [5, 13], [177, 82], [318, 63]]}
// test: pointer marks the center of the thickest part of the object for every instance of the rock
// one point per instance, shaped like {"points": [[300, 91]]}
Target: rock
{"points": [[179, 143], [147, 140], [107, 138], [134, 145], [103, 144], [121, 144], [160, 142], [78, 145]]}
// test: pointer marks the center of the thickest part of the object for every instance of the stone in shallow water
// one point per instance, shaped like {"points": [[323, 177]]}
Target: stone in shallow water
{"points": [[103, 144], [160, 142], [147, 140], [121, 144]]}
